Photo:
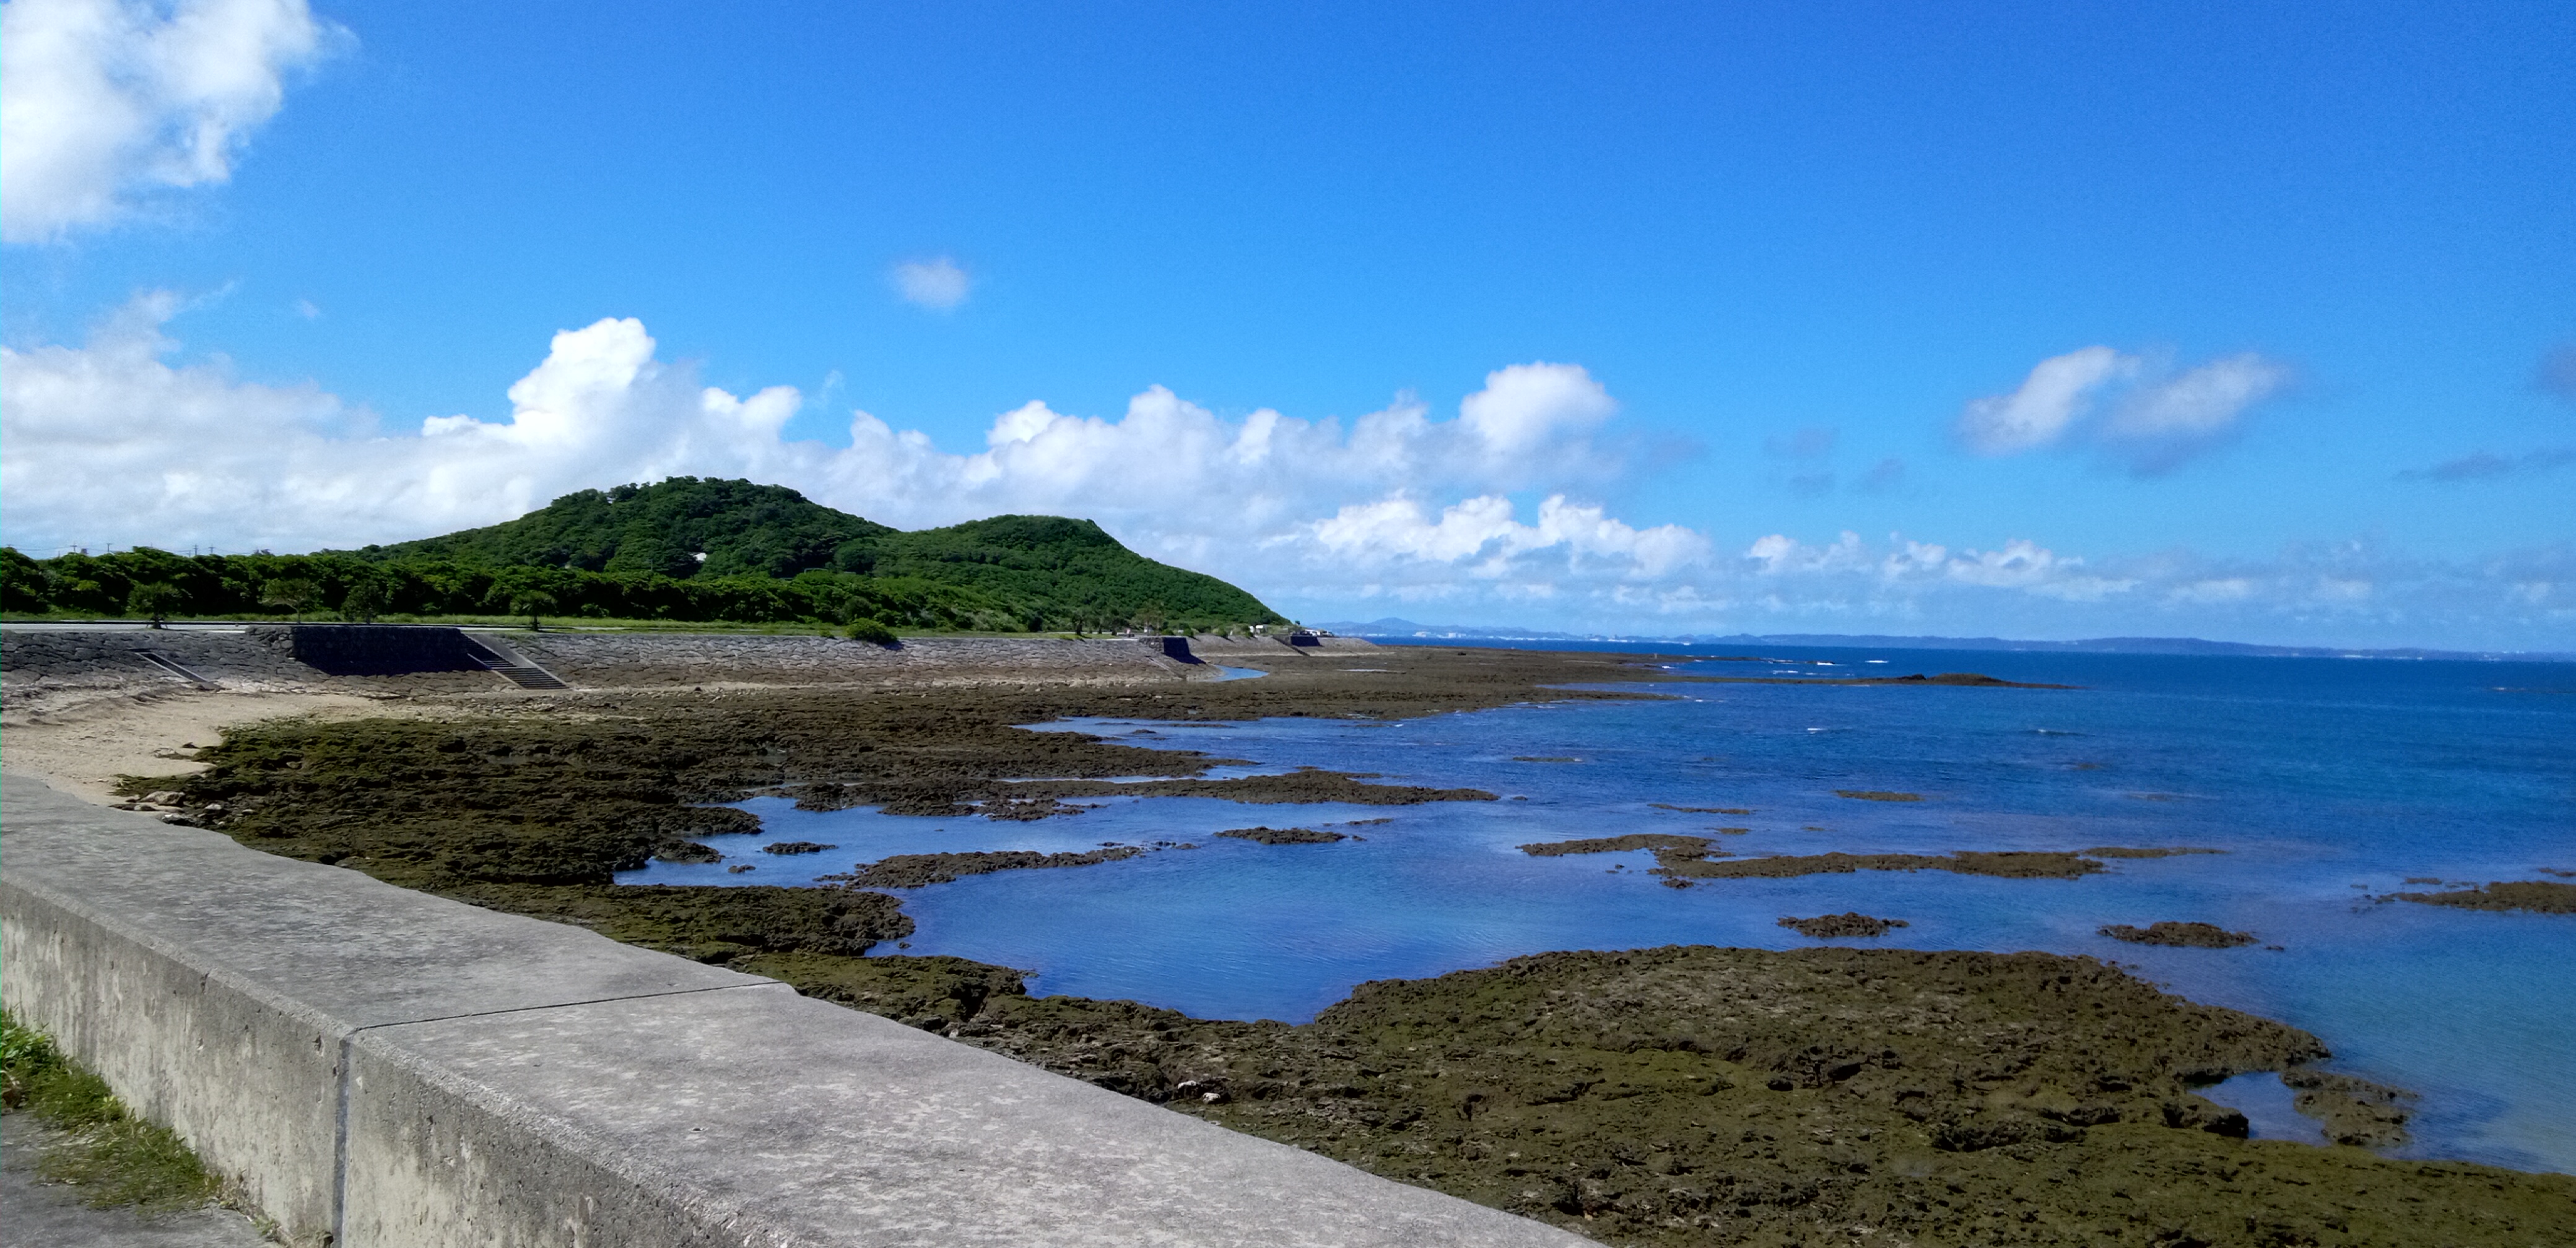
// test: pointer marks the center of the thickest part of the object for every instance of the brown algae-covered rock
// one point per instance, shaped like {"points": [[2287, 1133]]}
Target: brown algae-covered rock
{"points": [[2179, 935], [1285, 836], [2353, 1111], [1694, 1096], [2538, 896], [1660, 842], [917, 870], [1849, 923], [2018, 865]]}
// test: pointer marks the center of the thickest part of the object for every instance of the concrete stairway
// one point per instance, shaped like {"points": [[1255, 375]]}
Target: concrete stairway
{"points": [[519, 671], [173, 667]]}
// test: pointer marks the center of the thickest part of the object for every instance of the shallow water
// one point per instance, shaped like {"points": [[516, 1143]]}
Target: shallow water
{"points": [[2325, 781]]}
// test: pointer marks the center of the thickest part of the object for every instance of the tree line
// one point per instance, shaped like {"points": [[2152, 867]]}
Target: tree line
{"points": [[145, 583]]}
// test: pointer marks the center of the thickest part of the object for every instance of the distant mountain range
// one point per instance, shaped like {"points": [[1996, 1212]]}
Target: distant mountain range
{"points": [[1393, 628]]}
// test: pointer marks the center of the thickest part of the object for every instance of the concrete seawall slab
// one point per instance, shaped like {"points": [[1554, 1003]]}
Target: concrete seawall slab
{"points": [[385, 1067]]}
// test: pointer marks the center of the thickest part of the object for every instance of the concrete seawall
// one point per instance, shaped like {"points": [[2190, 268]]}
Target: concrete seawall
{"points": [[382, 1067]]}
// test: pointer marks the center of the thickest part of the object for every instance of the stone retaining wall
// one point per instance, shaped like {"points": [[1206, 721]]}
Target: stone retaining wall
{"points": [[649, 659]]}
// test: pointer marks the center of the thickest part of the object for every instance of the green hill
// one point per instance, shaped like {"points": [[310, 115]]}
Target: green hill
{"points": [[680, 528], [682, 549]]}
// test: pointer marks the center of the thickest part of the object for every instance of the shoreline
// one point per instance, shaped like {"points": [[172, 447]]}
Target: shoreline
{"points": [[945, 745]]}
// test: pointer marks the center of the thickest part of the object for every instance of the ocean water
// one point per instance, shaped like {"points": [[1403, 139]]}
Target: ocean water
{"points": [[2327, 783]]}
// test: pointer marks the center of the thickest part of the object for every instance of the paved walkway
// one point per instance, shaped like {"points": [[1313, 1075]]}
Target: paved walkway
{"points": [[35, 1214]]}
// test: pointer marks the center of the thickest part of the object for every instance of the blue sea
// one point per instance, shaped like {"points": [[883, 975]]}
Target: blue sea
{"points": [[2326, 782]]}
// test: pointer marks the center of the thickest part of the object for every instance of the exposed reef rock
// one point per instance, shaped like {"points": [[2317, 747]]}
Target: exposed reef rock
{"points": [[2354, 1111], [796, 847], [720, 924], [1040, 799], [1685, 858], [2013, 865], [1700, 1097], [1849, 923], [1660, 842], [2538, 896], [2179, 935], [917, 870], [2124, 851], [1681, 1097], [1285, 836], [1026, 809], [1968, 679], [1703, 810]]}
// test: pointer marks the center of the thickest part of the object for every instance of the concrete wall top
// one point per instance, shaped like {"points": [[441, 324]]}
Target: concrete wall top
{"points": [[487, 1078], [357, 950]]}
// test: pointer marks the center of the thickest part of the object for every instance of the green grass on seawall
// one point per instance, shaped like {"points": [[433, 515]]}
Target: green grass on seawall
{"points": [[114, 1156]]}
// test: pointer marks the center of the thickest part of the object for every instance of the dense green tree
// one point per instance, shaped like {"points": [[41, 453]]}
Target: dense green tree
{"points": [[364, 601], [153, 600], [532, 602], [25, 586], [292, 594]]}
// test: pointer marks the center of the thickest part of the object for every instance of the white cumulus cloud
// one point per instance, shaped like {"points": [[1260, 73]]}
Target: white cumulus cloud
{"points": [[1526, 405], [2135, 409], [1483, 537], [1483, 515], [103, 101], [937, 284], [2056, 393], [114, 442]]}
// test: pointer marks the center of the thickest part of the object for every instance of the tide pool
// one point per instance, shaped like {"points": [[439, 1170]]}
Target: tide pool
{"points": [[2328, 783]]}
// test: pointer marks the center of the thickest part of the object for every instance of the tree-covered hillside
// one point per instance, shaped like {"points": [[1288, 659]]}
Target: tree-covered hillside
{"points": [[685, 550], [681, 528]]}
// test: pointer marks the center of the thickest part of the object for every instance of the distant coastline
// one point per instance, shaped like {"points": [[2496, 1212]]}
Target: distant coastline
{"points": [[1394, 629]]}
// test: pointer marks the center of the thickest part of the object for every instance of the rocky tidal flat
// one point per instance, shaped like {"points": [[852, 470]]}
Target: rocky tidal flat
{"points": [[1283, 836], [1683, 1095], [2537, 896]]}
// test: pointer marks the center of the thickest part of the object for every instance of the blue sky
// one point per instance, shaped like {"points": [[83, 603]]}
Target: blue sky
{"points": [[1770, 276]]}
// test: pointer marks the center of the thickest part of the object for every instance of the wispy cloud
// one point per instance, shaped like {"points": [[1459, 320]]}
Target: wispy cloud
{"points": [[1811, 442], [1884, 477], [937, 284], [2556, 373], [2488, 466], [2058, 392], [103, 102], [2333, 593], [2133, 409]]}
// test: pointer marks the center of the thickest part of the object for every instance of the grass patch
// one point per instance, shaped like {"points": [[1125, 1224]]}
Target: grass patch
{"points": [[116, 1157]]}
